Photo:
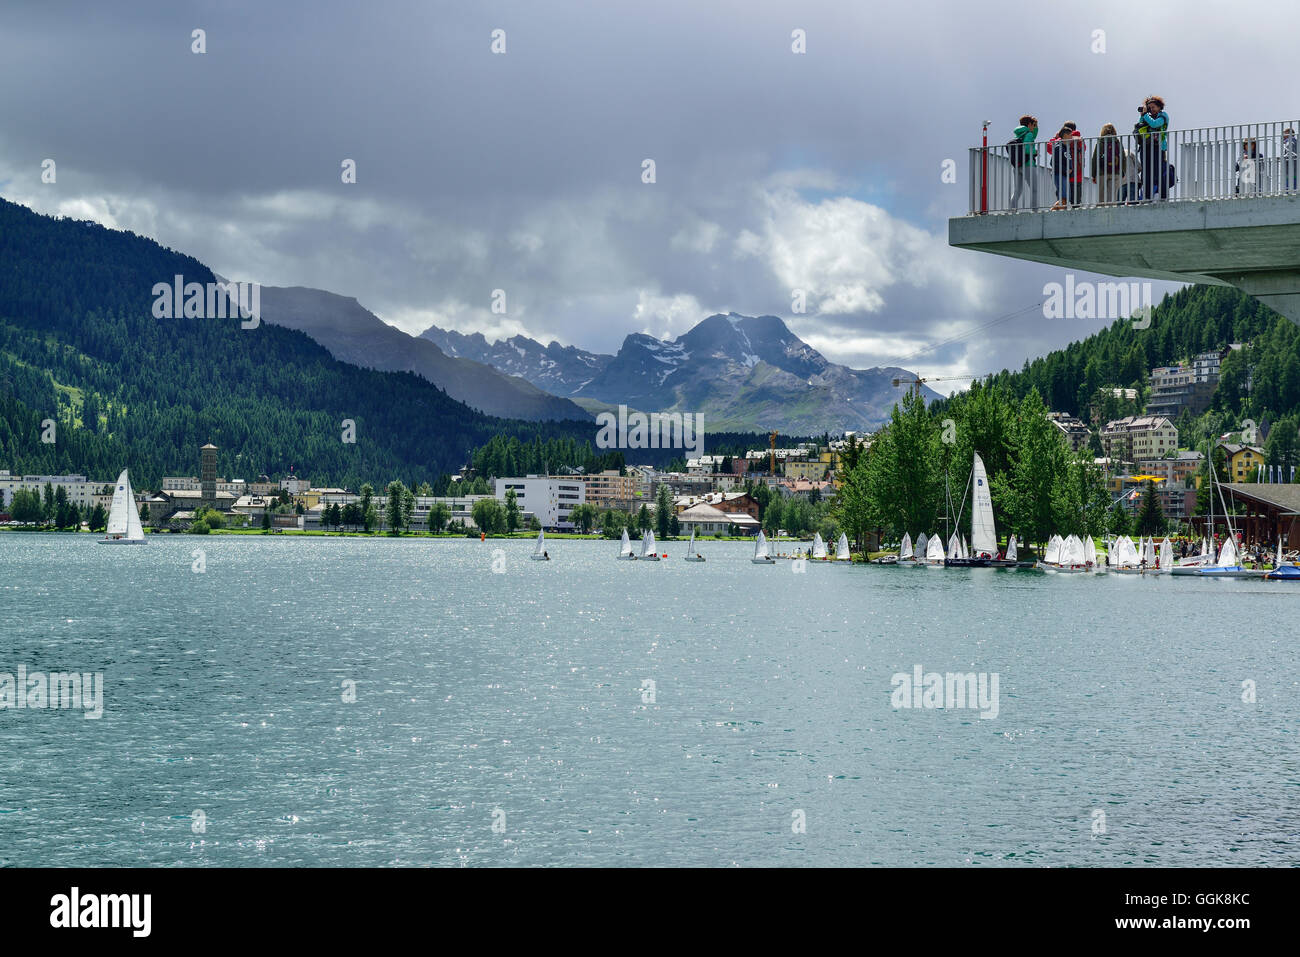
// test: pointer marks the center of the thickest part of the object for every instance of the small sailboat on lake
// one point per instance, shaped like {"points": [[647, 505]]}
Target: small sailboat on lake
{"points": [[761, 554], [625, 550], [124, 526], [649, 552], [691, 554], [539, 550]]}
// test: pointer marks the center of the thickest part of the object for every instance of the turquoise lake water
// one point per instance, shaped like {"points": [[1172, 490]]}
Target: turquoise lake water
{"points": [[520, 699]]}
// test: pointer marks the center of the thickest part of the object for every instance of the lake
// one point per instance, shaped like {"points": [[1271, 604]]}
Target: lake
{"points": [[322, 701]]}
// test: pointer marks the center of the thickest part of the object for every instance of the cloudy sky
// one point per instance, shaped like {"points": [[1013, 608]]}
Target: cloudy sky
{"points": [[522, 171]]}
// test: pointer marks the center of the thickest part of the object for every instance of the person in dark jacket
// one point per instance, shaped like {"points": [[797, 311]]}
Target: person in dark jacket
{"points": [[1078, 149], [1109, 165], [1060, 151]]}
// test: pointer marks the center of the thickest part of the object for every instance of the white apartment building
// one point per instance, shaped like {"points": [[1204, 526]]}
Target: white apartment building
{"points": [[80, 492], [550, 499]]}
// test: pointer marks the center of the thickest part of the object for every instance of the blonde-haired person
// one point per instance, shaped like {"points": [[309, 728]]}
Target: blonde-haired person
{"points": [[1109, 165]]}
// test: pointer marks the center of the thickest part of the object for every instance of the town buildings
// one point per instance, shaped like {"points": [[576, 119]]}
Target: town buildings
{"points": [[1138, 437], [552, 500]]}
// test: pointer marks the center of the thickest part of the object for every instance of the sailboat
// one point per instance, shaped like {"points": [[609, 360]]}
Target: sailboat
{"points": [[625, 550], [819, 547], [761, 555], [1123, 558], [1073, 555], [1149, 558], [1159, 563], [1090, 553], [1051, 555], [1188, 565], [934, 554], [539, 552], [691, 554], [842, 548], [921, 549], [1283, 571], [982, 552], [648, 551], [906, 553], [1229, 564], [124, 526]]}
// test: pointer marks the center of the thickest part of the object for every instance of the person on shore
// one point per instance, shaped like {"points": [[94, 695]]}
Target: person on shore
{"points": [[1152, 131], [1108, 166], [1058, 148], [1024, 162], [1289, 160]]}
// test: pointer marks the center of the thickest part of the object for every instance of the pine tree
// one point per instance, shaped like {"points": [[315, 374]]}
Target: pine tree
{"points": [[1151, 518]]}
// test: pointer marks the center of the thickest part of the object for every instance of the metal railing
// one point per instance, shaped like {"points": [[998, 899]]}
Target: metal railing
{"points": [[1220, 162]]}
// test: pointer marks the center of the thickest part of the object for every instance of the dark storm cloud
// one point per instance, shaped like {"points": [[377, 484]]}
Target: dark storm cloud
{"points": [[775, 171]]}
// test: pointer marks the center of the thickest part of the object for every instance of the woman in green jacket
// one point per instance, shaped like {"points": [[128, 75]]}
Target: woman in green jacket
{"points": [[1024, 168]]}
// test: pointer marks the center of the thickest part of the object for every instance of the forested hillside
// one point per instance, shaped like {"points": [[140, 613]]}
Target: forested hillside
{"points": [[79, 344], [1260, 382]]}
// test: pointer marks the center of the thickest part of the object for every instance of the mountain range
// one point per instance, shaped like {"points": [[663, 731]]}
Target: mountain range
{"points": [[355, 335], [741, 372]]}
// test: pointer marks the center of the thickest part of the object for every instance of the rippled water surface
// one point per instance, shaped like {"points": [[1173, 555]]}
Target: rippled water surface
{"points": [[519, 699]]}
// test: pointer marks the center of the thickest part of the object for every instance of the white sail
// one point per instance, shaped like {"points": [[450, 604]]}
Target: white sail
{"points": [[626, 548], [954, 546], [905, 549], [1278, 563], [123, 518], [1122, 553], [1228, 554], [540, 548], [934, 553], [1052, 555], [842, 548], [983, 534], [1072, 551], [818, 546], [922, 546], [648, 543], [1089, 551], [1166, 554], [965, 547], [760, 545], [690, 546], [1149, 553], [1011, 549]]}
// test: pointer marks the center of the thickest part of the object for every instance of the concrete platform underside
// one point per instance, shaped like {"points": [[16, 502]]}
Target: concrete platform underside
{"points": [[1251, 243]]}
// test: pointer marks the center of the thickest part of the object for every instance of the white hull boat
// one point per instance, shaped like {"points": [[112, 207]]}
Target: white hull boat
{"points": [[124, 526]]}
